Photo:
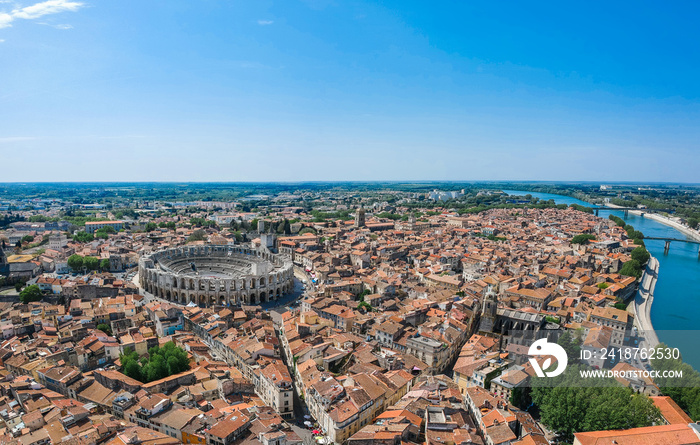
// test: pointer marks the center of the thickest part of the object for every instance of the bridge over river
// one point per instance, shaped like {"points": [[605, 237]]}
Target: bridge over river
{"points": [[668, 241], [627, 210]]}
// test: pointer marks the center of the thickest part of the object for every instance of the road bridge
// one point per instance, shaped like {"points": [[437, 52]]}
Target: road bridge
{"points": [[668, 241], [627, 210]]}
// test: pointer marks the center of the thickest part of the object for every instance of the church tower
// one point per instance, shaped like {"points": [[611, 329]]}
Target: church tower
{"points": [[3, 261], [360, 217], [412, 222], [489, 311]]}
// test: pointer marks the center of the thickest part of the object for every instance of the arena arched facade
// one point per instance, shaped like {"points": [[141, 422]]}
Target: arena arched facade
{"points": [[211, 275]]}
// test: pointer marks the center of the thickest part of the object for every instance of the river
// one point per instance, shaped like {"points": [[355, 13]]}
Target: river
{"points": [[676, 307]]}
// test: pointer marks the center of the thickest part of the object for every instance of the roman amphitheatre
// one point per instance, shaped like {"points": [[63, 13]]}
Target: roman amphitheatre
{"points": [[210, 275]]}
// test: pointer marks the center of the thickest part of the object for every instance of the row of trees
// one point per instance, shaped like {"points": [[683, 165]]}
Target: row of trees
{"points": [[201, 222], [640, 255], [104, 232], [635, 266], [636, 235], [161, 362], [685, 390], [151, 226], [83, 237], [569, 404], [78, 262]]}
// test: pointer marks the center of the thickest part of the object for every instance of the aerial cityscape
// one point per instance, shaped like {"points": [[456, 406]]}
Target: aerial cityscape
{"points": [[353, 223], [352, 313]]}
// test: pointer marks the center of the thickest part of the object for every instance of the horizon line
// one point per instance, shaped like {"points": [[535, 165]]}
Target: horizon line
{"points": [[374, 181]]}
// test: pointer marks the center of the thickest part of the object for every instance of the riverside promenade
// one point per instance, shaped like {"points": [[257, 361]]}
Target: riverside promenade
{"points": [[665, 220], [641, 309]]}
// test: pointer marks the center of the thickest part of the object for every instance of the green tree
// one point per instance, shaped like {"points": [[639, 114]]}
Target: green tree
{"points": [[582, 238], [161, 362], [104, 328], [104, 264], [83, 237], [684, 390], [617, 220], [27, 239], [253, 225], [133, 369], [151, 226], [520, 397], [363, 305], [571, 342], [75, 262], [197, 235], [569, 404], [91, 263], [693, 222], [30, 293], [631, 268], [641, 255]]}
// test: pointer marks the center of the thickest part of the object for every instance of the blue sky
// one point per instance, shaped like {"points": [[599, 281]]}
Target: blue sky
{"points": [[177, 90]]}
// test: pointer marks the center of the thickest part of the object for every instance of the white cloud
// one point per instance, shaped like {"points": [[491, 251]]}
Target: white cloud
{"points": [[60, 26], [2, 40], [45, 8], [38, 10], [265, 22], [5, 20], [16, 139]]}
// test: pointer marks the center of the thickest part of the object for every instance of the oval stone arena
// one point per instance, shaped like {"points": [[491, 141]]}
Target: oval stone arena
{"points": [[216, 275]]}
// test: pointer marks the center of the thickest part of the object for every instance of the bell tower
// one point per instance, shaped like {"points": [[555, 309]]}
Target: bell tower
{"points": [[489, 312], [360, 217]]}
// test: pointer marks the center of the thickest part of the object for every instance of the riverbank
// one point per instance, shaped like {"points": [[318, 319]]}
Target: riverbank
{"points": [[641, 308], [665, 220], [685, 230]]}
